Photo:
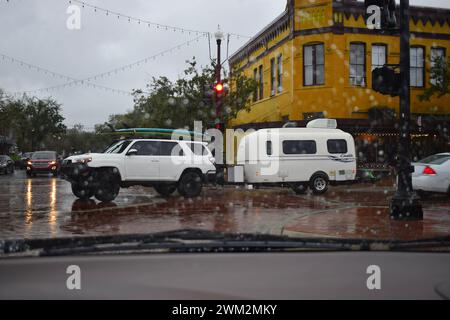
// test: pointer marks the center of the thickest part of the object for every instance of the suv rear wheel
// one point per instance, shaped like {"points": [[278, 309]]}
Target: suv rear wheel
{"points": [[165, 190], [190, 185]]}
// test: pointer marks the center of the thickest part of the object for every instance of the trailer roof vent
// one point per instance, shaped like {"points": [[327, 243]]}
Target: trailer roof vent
{"points": [[323, 124]]}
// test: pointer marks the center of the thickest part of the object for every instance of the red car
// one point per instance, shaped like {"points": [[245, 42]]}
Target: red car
{"points": [[43, 162]]}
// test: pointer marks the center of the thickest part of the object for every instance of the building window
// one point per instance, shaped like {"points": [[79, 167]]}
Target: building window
{"points": [[272, 77], [358, 64], [379, 56], [299, 147], [435, 54], [313, 65], [417, 66], [261, 82], [255, 77], [280, 73]]}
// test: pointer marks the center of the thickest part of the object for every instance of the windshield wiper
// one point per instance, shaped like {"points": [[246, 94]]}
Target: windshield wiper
{"points": [[203, 241]]}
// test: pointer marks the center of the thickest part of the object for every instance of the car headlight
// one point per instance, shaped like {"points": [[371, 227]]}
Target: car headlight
{"points": [[83, 160], [2, 164]]}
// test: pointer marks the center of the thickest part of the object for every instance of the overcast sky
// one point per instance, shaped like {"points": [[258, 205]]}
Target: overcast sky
{"points": [[35, 31]]}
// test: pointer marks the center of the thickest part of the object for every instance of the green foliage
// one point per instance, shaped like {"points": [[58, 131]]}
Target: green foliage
{"points": [[30, 121], [440, 77], [178, 104], [78, 140]]}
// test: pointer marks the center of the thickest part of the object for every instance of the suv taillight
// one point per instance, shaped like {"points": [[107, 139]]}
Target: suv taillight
{"points": [[429, 170]]}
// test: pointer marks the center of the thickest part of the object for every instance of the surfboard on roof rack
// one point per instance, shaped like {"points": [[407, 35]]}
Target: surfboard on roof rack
{"points": [[161, 133]]}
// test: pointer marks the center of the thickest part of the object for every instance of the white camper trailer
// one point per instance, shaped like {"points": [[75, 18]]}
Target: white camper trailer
{"points": [[311, 157]]}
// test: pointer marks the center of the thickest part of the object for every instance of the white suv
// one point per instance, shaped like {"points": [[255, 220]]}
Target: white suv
{"points": [[166, 165]]}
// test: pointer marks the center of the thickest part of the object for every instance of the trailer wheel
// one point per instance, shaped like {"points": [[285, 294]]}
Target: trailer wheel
{"points": [[299, 188], [319, 183]]}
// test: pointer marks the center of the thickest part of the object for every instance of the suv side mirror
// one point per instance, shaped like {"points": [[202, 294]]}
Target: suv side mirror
{"points": [[132, 152]]}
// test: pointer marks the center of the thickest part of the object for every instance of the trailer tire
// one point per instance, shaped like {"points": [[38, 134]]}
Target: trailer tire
{"points": [[319, 183]]}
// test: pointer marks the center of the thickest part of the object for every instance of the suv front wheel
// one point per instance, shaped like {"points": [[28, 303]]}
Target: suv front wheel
{"points": [[81, 192], [108, 186], [190, 185]]}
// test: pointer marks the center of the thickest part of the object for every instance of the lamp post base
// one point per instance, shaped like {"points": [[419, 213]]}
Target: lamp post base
{"points": [[406, 207]]}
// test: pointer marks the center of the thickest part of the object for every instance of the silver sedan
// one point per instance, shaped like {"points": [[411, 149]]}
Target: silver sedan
{"points": [[432, 174]]}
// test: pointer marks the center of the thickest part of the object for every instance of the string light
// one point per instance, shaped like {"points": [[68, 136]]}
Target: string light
{"points": [[140, 21], [73, 81]]}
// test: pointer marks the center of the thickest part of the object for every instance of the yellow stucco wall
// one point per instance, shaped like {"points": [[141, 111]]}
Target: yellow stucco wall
{"points": [[336, 98]]}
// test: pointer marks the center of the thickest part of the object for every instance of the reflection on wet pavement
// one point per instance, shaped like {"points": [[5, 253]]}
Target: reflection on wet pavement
{"points": [[45, 207]]}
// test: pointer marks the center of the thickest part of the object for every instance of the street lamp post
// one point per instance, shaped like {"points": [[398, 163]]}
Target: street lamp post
{"points": [[405, 204], [219, 36]]}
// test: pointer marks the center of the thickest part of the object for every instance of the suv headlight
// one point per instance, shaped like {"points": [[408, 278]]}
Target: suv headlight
{"points": [[83, 160]]}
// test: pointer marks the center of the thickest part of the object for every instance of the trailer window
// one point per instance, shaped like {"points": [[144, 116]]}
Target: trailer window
{"points": [[337, 146], [299, 147], [269, 148]]}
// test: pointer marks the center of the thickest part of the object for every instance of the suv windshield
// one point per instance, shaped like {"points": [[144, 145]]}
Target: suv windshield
{"points": [[118, 147], [295, 119]]}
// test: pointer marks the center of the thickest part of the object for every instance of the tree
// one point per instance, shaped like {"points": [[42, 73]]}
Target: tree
{"points": [[30, 121], [178, 104], [440, 80]]}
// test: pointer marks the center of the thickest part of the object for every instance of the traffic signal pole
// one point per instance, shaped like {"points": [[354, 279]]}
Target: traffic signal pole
{"points": [[405, 204], [219, 80]]}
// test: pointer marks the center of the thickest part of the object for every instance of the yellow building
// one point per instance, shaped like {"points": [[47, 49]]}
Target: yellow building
{"points": [[316, 58]]}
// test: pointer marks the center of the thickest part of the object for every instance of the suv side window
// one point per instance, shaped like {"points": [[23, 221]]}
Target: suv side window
{"points": [[198, 149], [147, 148], [170, 148]]}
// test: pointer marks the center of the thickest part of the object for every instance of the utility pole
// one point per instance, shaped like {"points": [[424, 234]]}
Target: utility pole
{"points": [[219, 86], [405, 204]]}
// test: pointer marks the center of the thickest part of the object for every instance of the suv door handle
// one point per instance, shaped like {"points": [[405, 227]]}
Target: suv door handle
{"points": [[155, 160]]}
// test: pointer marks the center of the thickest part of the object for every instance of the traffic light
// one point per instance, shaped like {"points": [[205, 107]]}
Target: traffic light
{"points": [[220, 126], [219, 88], [386, 81]]}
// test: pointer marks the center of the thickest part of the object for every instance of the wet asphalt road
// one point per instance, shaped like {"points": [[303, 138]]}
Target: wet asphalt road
{"points": [[44, 207]]}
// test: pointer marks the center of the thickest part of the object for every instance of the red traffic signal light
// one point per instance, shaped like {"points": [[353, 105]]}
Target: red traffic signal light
{"points": [[218, 88]]}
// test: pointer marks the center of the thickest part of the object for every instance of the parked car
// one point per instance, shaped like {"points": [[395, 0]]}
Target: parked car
{"points": [[166, 165], [6, 164], [24, 159], [432, 174], [43, 162]]}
